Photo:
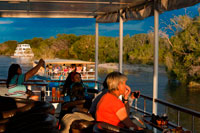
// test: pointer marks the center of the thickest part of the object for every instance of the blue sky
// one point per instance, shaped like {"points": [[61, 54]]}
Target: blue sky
{"points": [[20, 29]]}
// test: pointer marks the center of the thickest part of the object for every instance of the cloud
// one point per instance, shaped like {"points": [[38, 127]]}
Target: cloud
{"points": [[127, 27], [6, 22], [112, 27]]}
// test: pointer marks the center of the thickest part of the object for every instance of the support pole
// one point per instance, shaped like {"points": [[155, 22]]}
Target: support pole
{"points": [[155, 72], [120, 43], [96, 52]]}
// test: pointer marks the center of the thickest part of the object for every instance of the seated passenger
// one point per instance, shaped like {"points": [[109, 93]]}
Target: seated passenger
{"points": [[77, 91], [73, 77], [110, 108], [79, 68], [104, 91], [97, 98], [16, 79], [74, 109]]}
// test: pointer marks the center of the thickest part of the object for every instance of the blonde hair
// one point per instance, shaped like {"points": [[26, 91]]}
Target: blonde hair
{"points": [[113, 79]]}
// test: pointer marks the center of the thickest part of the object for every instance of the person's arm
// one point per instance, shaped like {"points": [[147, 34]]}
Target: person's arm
{"points": [[127, 106], [125, 99], [123, 116], [34, 70]]}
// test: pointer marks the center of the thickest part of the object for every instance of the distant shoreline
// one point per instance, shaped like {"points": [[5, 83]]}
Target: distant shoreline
{"points": [[131, 67]]}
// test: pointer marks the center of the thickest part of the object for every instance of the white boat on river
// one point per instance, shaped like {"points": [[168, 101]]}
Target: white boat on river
{"points": [[23, 53]]}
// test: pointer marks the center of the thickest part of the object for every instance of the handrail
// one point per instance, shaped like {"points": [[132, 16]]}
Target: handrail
{"points": [[178, 108], [147, 97], [2, 81], [174, 106], [32, 84]]}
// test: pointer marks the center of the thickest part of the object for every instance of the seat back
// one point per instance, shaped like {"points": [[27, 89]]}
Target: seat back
{"points": [[82, 126]]}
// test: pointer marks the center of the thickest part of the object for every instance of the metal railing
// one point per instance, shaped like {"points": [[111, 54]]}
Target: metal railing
{"points": [[31, 83], [178, 108], [61, 74]]}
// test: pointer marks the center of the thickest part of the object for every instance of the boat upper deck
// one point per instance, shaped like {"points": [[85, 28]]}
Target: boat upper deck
{"points": [[60, 68]]}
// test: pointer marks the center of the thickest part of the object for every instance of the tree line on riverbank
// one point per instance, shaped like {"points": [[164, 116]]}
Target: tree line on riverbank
{"points": [[180, 53]]}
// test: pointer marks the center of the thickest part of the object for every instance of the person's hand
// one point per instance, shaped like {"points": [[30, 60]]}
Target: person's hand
{"points": [[135, 128], [127, 92], [41, 62], [34, 98], [135, 94], [139, 128]]}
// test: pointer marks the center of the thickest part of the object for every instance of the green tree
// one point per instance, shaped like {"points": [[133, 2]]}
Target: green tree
{"points": [[9, 47], [62, 44], [108, 49], [140, 49], [183, 55], [84, 48]]}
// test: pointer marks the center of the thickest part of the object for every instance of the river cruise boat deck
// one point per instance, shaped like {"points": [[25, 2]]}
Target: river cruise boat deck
{"points": [[104, 12]]}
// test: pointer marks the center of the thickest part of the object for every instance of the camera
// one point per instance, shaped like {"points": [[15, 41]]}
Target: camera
{"points": [[136, 94]]}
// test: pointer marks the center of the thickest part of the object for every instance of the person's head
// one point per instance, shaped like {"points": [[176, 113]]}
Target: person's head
{"points": [[76, 77], [71, 78], [116, 81], [13, 70], [77, 91]]}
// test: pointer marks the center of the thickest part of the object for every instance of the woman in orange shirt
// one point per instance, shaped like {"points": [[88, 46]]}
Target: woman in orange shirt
{"points": [[110, 108]]}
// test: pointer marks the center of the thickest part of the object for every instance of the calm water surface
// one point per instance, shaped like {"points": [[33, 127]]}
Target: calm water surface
{"points": [[141, 80]]}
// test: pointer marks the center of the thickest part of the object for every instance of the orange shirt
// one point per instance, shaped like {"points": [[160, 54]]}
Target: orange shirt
{"points": [[107, 109]]}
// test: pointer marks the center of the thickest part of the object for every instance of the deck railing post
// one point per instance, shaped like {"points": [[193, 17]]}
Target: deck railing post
{"points": [[193, 123], [120, 42], [155, 72], [96, 52], [166, 110], [136, 101], [144, 104], [178, 118]]}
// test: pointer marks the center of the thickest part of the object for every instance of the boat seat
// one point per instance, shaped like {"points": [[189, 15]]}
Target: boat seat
{"points": [[12, 108], [69, 121], [67, 107], [31, 122], [42, 106], [79, 126], [100, 127], [84, 126], [20, 113]]}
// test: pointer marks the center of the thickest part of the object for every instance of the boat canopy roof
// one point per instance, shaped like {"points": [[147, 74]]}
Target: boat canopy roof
{"points": [[105, 11], [65, 61]]}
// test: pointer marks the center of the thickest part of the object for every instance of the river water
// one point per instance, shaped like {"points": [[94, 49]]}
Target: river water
{"points": [[142, 79]]}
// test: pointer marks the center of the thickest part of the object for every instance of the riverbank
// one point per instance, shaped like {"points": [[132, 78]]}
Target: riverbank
{"points": [[130, 67]]}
